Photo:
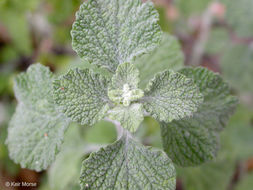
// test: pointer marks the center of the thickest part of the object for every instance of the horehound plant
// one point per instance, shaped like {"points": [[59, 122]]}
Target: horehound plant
{"points": [[192, 105]]}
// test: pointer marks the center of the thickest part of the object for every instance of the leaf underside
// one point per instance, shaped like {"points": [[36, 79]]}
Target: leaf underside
{"points": [[127, 164], [36, 130], [111, 32], [193, 141]]}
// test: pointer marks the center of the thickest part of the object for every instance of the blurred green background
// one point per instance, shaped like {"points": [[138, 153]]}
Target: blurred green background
{"points": [[214, 34]]}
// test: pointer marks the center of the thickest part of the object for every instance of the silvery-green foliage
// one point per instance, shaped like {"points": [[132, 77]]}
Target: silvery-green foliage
{"points": [[36, 130], [124, 91], [127, 164], [82, 95], [192, 105], [192, 141], [236, 145], [171, 96], [111, 32]]}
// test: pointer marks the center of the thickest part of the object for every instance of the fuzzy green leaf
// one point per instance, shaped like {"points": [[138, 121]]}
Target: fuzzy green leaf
{"points": [[194, 140], [129, 117], [82, 96], [126, 73], [111, 32], [127, 164], [218, 104], [171, 96], [167, 55], [188, 143], [36, 130]]}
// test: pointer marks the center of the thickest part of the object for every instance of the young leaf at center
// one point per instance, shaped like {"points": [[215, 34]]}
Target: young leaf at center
{"points": [[124, 92]]}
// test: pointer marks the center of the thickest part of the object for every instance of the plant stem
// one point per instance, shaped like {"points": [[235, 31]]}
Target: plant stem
{"points": [[118, 127]]}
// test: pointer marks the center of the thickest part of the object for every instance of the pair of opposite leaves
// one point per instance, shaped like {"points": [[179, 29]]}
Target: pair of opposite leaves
{"points": [[110, 33]]}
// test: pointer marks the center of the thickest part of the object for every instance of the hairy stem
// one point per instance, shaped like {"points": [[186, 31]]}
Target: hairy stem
{"points": [[93, 147], [118, 127]]}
